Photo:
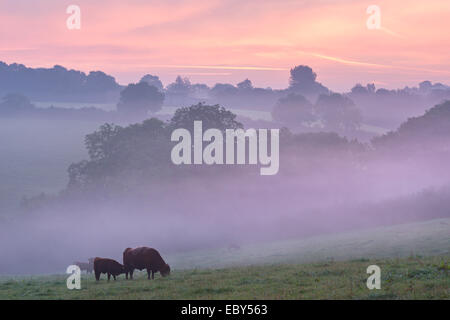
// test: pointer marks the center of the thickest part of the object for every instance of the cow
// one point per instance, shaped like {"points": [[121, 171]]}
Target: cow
{"points": [[88, 267], [108, 266], [144, 258]]}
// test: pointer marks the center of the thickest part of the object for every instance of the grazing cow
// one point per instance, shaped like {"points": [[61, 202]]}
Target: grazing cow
{"points": [[108, 266], [88, 267], [144, 258]]}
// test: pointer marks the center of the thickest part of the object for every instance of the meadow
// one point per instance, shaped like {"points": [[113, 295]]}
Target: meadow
{"points": [[407, 278], [414, 260]]}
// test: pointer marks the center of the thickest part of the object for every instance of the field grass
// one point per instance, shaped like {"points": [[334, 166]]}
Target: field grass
{"points": [[426, 238], [406, 278], [414, 260]]}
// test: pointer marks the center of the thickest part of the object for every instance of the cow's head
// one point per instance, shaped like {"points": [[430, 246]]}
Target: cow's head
{"points": [[165, 270]]}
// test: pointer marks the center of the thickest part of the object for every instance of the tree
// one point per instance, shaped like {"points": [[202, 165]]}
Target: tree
{"points": [[153, 81], [14, 104], [302, 76], [359, 89], [99, 144], [211, 116], [338, 112], [430, 130], [57, 83], [425, 86], [245, 85], [140, 98], [140, 148], [224, 90], [303, 81], [181, 86], [98, 81], [293, 110], [118, 155]]}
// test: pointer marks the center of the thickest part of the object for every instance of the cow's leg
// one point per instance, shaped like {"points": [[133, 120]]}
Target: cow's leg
{"points": [[114, 277], [148, 274], [153, 274], [109, 276], [126, 275], [97, 275], [131, 274]]}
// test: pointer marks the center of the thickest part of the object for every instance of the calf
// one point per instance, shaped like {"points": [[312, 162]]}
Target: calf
{"points": [[108, 266]]}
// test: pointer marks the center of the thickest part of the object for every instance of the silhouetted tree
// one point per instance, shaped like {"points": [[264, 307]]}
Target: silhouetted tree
{"points": [[140, 98], [153, 81], [98, 81], [359, 89], [57, 83], [302, 76], [338, 113], [16, 104], [245, 85], [137, 149], [211, 116], [430, 130], [303, 81], [294, 110], [224, 90], [181, 86], [99, 144]]}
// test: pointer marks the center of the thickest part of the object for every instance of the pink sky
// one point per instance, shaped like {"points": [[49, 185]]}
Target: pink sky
{"points": [[230, 40]]}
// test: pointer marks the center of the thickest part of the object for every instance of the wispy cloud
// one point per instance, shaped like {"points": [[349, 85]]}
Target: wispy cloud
{"points": [[254, 68], [377, 65], [350, 62], [233, 38], [201, 73], [392, 33]]}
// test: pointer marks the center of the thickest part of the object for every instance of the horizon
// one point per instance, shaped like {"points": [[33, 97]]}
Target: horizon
{"points": [[377, 85], [261, 41]]}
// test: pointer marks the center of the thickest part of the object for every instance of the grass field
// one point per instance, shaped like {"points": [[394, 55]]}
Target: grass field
{"points": [[414, 260], [426, 238], [406, 278]]}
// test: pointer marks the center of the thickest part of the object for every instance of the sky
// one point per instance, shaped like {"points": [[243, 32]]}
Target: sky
{"points": [[229, 40]]}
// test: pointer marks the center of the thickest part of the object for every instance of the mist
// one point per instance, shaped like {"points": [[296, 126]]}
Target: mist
{"points": [[316, 192], [74, 188]]}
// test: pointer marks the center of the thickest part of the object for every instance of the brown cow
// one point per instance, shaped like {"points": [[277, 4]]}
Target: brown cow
{"points": [[108, 266], [144, 258]]}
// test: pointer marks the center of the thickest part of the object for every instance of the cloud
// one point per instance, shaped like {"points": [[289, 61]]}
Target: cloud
{"points": [[251, 36], [253, 68]]}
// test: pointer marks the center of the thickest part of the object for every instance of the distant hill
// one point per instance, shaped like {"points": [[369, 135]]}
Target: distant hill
{"points": [[430, 130], [57, 84]]}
